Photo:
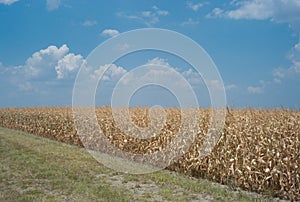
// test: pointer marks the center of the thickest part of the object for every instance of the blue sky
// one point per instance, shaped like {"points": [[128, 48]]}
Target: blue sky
{"points": [[254, 43]]}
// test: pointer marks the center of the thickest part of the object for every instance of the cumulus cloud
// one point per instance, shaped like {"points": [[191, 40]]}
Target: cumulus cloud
{"points": [[156, 70], [159, 11], [215, 13], [146, 13], [160, 73], [151, 17], [276, 80], [192, 77], [26, 86], [167, 73], [158, 61], [89, 23], [259, 88], [195, 6], [148, 17], [45, 65], [190, 21], [278, 11], [8, 2], [122, 47], [110, 32], [52, 4], [44, 60], [281, 11], [110, 72], [280, 73], [294, 70], [255, 90], [215, 84], [68, 64], [231, 87], [257, 9], [162, 12], [156, 74]]}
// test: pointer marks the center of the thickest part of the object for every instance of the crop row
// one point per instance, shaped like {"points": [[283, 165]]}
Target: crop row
{"points": [[259, 150]]}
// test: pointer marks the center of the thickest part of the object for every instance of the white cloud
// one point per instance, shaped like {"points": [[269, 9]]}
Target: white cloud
{"points": [[190, 21], [3, 69], [153, 14], [44, 66], [279, 11], [44, 60], [295, 53], [122, 47], [279, 72], [89, 23], [68, 64], [146, 13], [216, 12], [294, 69], [158, 61], [190, 73], [195, 6], [257, 9], [255, 90], [151, 20], [110, 32], [127, 16], [162, 12], [230, 87], [26, 86], [155, 7], [161, 71], [215, 84], [282, 11], [112, 72], [148, 17], [157, 73], [193, 77], [8, 2], [276, 80], [190, 76], [52, 4], [258, 89], [151, 17]]}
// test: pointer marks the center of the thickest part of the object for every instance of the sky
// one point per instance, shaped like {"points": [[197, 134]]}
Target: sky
{"points": [[253, 43]]}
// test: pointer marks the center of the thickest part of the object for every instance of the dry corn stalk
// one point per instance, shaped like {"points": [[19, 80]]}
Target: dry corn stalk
{"points": [[259, 150]]}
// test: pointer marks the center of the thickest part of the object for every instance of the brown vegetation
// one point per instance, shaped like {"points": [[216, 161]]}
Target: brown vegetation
{"points": [[259, 150]]}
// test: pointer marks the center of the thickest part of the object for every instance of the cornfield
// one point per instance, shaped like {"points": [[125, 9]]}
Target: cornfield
{"points": [[259, 149]]}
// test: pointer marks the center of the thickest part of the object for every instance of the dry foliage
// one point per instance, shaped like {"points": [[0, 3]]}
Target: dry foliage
{"points": [[259, 150]]}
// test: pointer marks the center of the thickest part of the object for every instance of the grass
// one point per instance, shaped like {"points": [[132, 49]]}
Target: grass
{"points": [[38, 169]]}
